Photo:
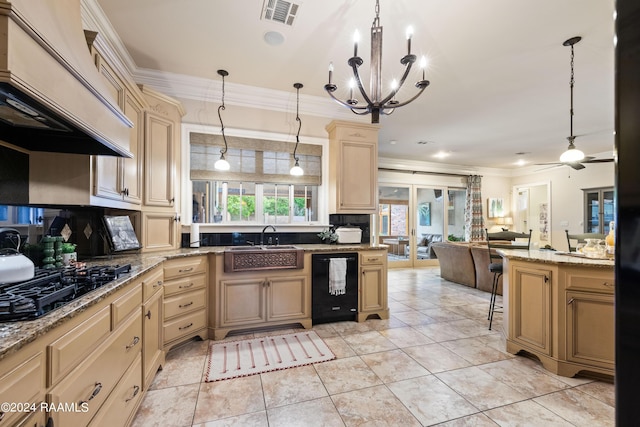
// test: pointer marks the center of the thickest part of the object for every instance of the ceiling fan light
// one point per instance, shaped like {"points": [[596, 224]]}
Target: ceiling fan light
{"points": [[571, 155]]}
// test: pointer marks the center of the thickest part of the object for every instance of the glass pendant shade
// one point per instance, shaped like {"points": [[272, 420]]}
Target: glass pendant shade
{"points": [[221, 164]]}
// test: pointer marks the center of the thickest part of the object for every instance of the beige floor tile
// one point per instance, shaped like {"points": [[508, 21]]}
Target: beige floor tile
{"points": [[578, 408], [406, 337], [480, 389], [420, 304], [191, 370], [393, 365], [384, 324], [319, 412], [436, 358], [398, 307], [413, 318], [527, 413], [161, 408], [339, 347], [348, 328], [343, 375], [256, 419], [373, 406], [442, 314], [291, 386], [472, 311], [325, 330], [369, 342], [193, 348], [474, 351], [528, 381], [476, 420], [442, 331], [229, 398], [430, 400], [602, 391]]}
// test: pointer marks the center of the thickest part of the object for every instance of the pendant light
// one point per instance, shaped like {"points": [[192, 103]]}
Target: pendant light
{"points": [[222, 164], [572, 154], [296, 170]]}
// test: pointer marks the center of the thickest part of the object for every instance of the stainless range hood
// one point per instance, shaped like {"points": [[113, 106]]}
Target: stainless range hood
{"points": [[52, 97]]}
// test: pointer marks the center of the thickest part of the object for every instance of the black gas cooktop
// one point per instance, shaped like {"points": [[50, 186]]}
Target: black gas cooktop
{"points": [[51, 289]]}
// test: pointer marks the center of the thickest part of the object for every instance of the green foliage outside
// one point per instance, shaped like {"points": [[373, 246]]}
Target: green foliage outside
{"points": [[279, 207]]}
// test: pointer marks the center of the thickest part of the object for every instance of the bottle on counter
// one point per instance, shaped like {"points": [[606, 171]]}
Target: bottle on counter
{"points": [[611, 238]]}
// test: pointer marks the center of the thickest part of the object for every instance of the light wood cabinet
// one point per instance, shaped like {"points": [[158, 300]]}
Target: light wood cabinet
{"points": [[372, 295], [153, 355], [161, 197], [561, 313], [23, 384], [531, 302], [185, 303], [261, 298], [353, 168]]}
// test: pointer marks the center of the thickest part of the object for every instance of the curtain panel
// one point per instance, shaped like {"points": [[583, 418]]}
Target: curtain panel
{"points": [[474, 222]]}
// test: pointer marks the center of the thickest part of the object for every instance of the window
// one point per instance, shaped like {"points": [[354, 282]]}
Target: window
{"points": [[19, 215], [258, 188]]}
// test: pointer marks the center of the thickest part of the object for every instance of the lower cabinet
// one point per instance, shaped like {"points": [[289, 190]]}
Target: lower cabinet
{"points": [[185, 299], [260, 299], [152, 328], [562, 314], [372, 298], [23, 384]]}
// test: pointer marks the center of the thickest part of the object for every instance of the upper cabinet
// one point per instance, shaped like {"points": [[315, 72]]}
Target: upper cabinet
{"points": [[353, 168], [120, 178]]}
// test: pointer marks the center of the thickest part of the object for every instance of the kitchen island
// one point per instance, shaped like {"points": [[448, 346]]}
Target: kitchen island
{"points": [[559, 308]]}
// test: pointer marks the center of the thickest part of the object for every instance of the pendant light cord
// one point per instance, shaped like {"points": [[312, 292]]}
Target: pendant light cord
{"points": [[223, 73], [571, 82], [295, 150]]}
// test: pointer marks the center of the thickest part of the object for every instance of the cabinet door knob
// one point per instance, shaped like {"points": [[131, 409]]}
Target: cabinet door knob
{"points": [[93, 394], [148, 315], [135, 341]]}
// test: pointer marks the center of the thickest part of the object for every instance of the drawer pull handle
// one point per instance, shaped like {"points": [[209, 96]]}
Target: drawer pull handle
{"points": [[135, 341], [185, 270], [610, 285], [136, 390], [570, 301], [186, 327], [94, 393], [186, 286], [158, 284], [185, 305], [148, 315]]}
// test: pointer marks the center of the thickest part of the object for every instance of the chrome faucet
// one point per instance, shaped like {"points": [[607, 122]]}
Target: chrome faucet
{"points": [[262, 234]]}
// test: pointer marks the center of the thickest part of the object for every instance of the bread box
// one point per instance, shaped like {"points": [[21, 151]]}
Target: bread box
{"points": [[347, 234]]}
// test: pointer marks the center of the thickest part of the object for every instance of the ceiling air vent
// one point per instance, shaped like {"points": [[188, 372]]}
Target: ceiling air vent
{"points": [[280, 11]]}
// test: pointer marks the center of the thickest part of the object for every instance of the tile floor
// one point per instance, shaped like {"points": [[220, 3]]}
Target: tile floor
{"points": [[434, 362]]}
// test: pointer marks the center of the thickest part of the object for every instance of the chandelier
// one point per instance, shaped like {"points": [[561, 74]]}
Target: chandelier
{"points": [[222, 163], [376, 103], [572, 154]]}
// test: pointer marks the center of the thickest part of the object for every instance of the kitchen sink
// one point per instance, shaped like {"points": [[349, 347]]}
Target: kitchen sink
{"points": [[265, 257]]}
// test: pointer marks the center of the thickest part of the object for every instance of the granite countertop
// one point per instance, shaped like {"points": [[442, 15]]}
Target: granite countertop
{"points": [[15, 335], [555, 257]]}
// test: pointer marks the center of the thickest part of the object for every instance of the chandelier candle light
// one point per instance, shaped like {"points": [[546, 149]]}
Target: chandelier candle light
{"points": [[296, 170], [572, 154], [376, 103], [222, 163]]}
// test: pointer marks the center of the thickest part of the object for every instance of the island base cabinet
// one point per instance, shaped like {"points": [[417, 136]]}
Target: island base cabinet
{"points": [[373, 285], [531, 302], [590, 326]]}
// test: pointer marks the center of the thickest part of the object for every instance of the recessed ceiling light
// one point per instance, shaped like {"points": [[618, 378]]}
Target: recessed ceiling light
{"points": [[393, 142], [441, 154], [521, 162], [273, 38]]}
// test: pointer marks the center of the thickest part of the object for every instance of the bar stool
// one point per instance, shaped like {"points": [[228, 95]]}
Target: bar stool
{"points": [[495, 261]]}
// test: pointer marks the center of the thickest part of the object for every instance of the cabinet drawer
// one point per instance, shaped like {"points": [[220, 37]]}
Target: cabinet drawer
{"points": [[22, 385], [184, 325], [373, 257], [182, 267], [68, 351], [120, 405], [125, 305], [183, 303], [94, 379], [152, 282], [590, 279], [186, 284]]}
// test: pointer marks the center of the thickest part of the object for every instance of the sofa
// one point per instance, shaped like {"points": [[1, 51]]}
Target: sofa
{"points": [[424, 246], [466, 263]]}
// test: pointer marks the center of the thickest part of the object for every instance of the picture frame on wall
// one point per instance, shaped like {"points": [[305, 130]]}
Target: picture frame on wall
{"points": [[495, 207]]}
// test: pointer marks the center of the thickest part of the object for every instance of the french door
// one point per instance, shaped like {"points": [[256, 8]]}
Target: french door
{"points": [[412, 217]]}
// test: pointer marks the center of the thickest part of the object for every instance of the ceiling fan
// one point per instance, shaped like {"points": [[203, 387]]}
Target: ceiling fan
{"points": [[574, 157]]}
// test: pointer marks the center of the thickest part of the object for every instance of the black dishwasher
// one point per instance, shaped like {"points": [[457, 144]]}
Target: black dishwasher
{"points": [[326, 307]]}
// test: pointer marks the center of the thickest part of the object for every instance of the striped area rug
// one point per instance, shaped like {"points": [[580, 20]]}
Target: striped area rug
{"points": [[231, 359]]}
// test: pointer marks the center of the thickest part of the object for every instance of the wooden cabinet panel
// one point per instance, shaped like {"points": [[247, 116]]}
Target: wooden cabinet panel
{"points": [[531, 302], [372, 287], [153, 340], [183, 303], [68, 351], [288, 298], [21, 385], [152, 282], [184, 326], [125, 305], [184, 267], [590, 329], [185, 284], [159, 161], [242, 301], [159, 231]]}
